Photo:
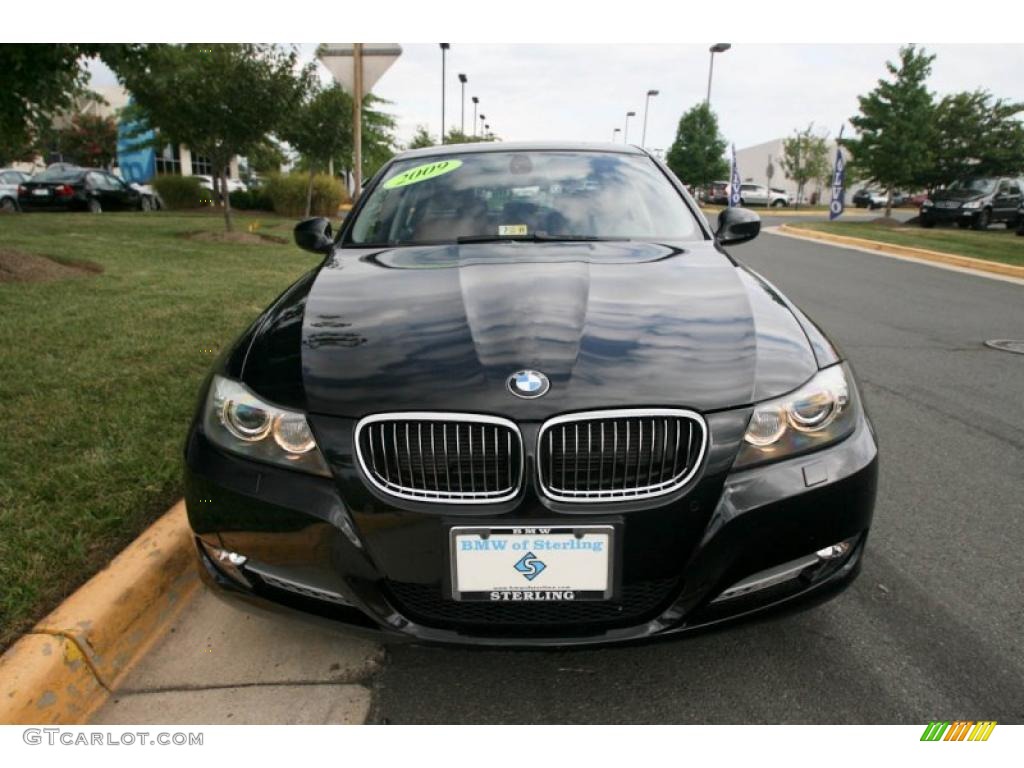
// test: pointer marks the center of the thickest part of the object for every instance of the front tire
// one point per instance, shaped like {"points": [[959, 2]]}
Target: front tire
{"points": [[779, 204], [7, 205], [982, 220], [94, 206], [145, 204]]}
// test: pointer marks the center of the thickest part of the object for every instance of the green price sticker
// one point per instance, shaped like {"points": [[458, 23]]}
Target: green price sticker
{"points": [[422, 173]]}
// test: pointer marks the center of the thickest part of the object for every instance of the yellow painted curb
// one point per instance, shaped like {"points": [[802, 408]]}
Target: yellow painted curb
{"points": [[995, 267], [63, 670]]}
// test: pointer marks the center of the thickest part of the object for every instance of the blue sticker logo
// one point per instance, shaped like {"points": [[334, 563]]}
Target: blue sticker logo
{"points": [[530, 566]]}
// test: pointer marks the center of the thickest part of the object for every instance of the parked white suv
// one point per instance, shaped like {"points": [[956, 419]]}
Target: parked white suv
{"points": [[755, 194]]}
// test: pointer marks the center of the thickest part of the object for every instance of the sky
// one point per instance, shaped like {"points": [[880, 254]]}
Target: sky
{"points": [[582, 92]]}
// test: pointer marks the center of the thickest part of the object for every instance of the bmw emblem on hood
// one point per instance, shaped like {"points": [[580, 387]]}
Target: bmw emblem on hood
{"points": [[528, 384]]}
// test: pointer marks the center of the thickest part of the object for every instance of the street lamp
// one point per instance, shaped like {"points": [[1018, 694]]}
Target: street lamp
{"points": [[647, 104], [482, 118], [716, 48], [444, 51], [625, 135], [475, 102], [615, 132], [462, 126]]}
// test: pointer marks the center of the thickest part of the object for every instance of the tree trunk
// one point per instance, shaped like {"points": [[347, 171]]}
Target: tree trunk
{"points": [[888, 203], [228, 223], [309, 193]]}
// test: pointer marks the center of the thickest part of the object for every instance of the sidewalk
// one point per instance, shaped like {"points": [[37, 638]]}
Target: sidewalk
{"points": [[219, 664]]}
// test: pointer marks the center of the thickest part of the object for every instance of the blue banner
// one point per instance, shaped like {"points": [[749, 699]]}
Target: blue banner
{"points": [[734, 182], [835, 208], [135, 154]]}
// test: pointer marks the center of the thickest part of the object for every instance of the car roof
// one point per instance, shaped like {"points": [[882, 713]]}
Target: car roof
{"points": [[519, 146]]}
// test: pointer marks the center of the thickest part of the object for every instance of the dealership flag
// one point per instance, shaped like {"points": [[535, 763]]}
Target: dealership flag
{"points": [[734, 182], [835, 208]]}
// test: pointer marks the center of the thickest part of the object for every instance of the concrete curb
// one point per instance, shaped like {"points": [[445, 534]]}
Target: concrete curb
{"points": [[967, 262], [63, 669]]}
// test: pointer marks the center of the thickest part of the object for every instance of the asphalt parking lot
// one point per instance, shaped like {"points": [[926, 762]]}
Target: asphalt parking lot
{"points": [[934, 626]]}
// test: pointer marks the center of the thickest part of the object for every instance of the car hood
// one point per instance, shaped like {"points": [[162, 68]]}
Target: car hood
{"points": [[960, 195], [611, 324]]}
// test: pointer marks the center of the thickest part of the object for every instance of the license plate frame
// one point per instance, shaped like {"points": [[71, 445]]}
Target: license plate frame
{"points": [[520, 588]]}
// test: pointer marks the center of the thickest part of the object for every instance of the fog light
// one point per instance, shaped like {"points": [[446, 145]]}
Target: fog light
{"points": [[227, 562], [835, 551]]}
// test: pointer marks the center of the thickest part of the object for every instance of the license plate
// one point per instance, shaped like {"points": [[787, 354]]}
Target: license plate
{"points": [[41, 192], [542, 564], [947, 204]]}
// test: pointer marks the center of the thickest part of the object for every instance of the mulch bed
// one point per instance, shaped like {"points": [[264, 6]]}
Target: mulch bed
{"points": [[18, 267]]}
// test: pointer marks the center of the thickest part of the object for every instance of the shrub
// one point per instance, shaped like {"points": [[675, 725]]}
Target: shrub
{"points": [[287, 192], [251, 200], [181, 192]]}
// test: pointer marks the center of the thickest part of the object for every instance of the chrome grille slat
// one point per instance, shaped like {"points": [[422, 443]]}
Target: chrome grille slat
{"points": [[441, 457], [654, 458]]}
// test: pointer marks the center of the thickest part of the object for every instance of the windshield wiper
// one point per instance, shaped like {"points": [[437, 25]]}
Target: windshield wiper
{"points": [[538, 237]]}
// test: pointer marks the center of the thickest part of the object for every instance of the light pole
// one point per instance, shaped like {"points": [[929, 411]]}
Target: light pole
{"points": [[625, 134], [475, 102], [462, 126], [716, 48], [482, 118], [444, 51], [647, 104], [487, 129], [615, 133]]}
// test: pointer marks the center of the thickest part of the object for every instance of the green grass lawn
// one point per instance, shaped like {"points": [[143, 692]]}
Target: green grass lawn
{"points": [[98, 379], [995, 244]]}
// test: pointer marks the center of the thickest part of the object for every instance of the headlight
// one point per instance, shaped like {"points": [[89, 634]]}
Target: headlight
{"points": [[927, 204], [238, 421], [972, 205], [821, 412]]}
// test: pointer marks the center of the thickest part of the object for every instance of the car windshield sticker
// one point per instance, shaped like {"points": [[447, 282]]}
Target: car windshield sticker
{"points": [[422, 173], [511, 229]]}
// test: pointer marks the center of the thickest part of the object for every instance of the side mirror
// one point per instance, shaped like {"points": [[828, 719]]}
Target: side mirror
{"points": [[314, 235], [737, 225]]}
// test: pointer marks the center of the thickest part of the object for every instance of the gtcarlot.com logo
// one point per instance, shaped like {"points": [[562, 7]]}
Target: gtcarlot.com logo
{"points": [[94, 738], [958, 730]]}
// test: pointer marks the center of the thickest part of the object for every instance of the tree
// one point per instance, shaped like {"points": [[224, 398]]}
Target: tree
{"points": [[455, 136], [39, 81], [804, 159], [895, 135], [320, 130], [378, 135], [697, 156], [222, 100], [975, 135], [422, 138], [88, 140], [265, 157]]}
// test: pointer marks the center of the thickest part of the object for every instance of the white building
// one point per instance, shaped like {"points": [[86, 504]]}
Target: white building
{"points": [[754, 163]]}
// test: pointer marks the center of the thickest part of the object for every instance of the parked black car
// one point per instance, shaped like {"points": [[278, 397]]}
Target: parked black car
{"points": [[868, 197], [69, 188], [975, 202], [528, 398]]}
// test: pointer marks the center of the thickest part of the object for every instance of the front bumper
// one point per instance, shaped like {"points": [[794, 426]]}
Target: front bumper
{"points": [[365, 564], [949, 215]]}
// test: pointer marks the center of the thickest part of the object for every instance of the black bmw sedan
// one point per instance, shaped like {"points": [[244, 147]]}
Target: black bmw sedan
{"points": [[70, 188], [528, 398]]}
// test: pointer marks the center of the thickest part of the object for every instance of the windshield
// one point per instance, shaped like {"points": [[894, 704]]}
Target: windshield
{"points": [[523, 195], [974, 185], [59, 174]]}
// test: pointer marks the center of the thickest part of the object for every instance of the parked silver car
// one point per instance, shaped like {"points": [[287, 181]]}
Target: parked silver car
{"points": [[9, 181], [755, 194]]}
